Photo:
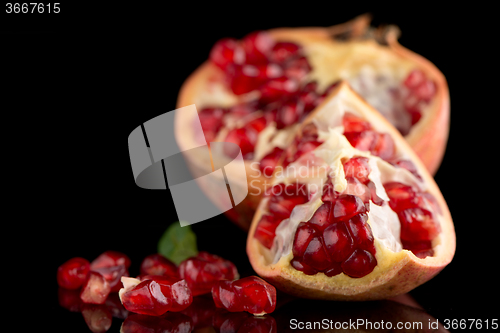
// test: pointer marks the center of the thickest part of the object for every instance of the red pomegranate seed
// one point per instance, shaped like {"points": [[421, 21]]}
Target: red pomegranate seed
{"points": [[270, 161], [257, 46], [156, 264], [414, 79], [359, 264], [329, 194], [316, 255], [308, 96], [95, 289], [304, 147], [357, 167], [354, 123], [285, 197], [297, 68], [346, 206], [289, 113], [148, 297], [303, 235], [357, 188], [283, 51], [110, 258], [384, 146], [338, 242], [322, 218], [73, 273], [361, 232], [245, 138], [421, 249], [334, 269], [364, 141], [174, 288], [276, 89], [425, 91], [418, 224], [227, 51], [244, 79], [243, 109], [304, 268], [257, 124], [113, 275], [202, 271], [401, 196], [97, 317], [374, 197], [211, 121], [408, 165], [266, 230], [251, 294]]}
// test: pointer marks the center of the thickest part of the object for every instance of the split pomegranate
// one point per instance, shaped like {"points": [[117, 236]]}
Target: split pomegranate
{"points": [[255, 91], [251, 294], [204, 270], [73, 273], [356, 223]]}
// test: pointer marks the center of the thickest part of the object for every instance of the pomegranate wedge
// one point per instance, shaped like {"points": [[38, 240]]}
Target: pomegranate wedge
{"points": [[254, 92], [354, 223]]}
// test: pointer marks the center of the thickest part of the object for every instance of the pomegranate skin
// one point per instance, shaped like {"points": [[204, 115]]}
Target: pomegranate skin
{"points": [[430, 131], [396, 272]]}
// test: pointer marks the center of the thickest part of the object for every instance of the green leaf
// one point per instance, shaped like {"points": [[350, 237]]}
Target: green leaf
{"points": [[178, 243]]}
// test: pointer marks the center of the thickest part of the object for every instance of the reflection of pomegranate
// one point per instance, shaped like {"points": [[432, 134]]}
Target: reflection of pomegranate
{"points": [[345, 220], [253, 92]]}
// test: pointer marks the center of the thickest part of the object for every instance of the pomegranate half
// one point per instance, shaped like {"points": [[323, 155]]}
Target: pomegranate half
{"points": [[255, 91], [353, 214]]}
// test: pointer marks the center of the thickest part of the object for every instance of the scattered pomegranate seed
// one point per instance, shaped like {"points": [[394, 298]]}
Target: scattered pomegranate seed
{"points": [[148, 297], [110, 258], [201, 272], [73, 273], [113, 275], [175, 289], [95, 289], [251, 294], [156, 264]]}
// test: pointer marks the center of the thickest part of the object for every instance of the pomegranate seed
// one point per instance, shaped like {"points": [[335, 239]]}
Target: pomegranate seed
{"points": [[401, 196], [243, 109], [156, 264], [417, 224], [414, 79], [421, 249], [304, 268], [211, 122], [265, 231], [270, 161], [110, 258], [374, 197], [329, 194], [316, 255], [285, 197], [322, 218], [309, 97], [364, 141], [303, 235], [257, 124], [245, 138], [359, 264], [357, 188], [73, 273], [95, 289], [338, 242], [425, 91], [283, 51], [148, 297], [289, 113], [361, 233], [297, 68], [251, 294], [354, 123], [276, 89], [346, 206], [244, 79], [202, 271], [97, 317], [408, 165], [227, 51], [113, 275], [384, 146], [334, 269], [357, 167], [175, 289], [257, 46], [305, 147]]}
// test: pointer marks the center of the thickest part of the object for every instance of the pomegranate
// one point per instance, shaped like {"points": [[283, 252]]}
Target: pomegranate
{"points": [[353, 224], [73, 273], [254, 91], [251, 294], [204, 270]]}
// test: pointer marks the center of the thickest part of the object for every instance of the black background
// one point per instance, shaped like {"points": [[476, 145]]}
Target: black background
{"points": [[75, 84]]}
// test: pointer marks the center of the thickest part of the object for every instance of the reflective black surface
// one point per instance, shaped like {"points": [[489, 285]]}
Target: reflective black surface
{"points": [[82, 82]]}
